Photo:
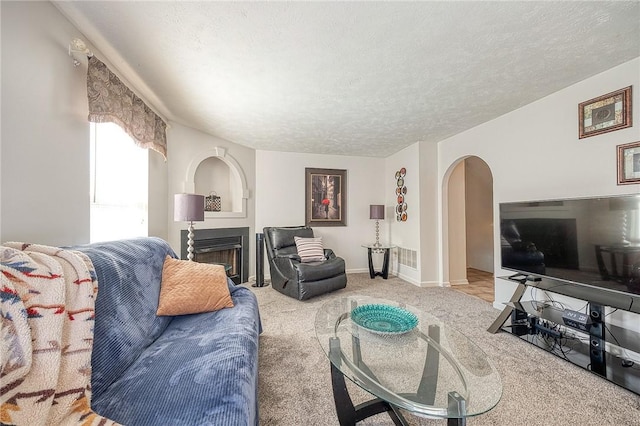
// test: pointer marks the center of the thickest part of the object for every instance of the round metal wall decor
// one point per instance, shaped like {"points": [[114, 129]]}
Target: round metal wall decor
{"points": [[401, 190]]}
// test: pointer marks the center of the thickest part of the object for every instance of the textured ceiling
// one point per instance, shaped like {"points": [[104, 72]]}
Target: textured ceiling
{"points": [[352, 78]]}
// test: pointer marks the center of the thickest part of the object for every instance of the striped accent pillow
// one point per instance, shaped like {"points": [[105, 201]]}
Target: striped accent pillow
{"points": [[310, 249]]}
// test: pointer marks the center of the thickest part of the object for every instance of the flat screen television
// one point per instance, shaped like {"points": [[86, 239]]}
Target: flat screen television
{"points": [[586, 241]]}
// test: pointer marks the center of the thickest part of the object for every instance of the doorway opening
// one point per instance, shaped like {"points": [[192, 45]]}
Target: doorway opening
{"points": [[469, 266]]}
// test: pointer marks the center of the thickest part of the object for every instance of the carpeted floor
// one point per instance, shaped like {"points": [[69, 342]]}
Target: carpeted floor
{"points": [[538, 388]]}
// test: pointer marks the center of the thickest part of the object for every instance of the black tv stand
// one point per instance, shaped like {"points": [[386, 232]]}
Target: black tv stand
{"points": [[583, 339]]}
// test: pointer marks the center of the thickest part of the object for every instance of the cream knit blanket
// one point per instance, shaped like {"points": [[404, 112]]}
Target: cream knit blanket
{"points": [[47, 298]]}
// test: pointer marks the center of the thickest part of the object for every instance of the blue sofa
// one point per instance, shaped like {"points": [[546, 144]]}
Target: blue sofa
{"points": [[199, 369]]}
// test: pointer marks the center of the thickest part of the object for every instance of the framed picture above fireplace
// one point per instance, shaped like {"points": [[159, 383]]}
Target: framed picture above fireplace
{"points": [[325, 197]]}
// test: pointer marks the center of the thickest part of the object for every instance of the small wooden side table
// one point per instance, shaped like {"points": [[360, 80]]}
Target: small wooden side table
{"points": [[383, 248]]}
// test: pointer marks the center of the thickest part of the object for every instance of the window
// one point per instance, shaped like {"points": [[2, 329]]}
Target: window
{"points": [[119, 184]]}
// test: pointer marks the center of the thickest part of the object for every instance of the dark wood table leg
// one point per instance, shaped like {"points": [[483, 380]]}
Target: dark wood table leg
{"points": [[344, 405], [429, 380], [372, 273], [348, 414], [385, 264], [457, 406]]}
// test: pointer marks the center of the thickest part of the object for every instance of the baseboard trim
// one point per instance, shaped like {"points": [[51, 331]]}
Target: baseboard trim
{"points": [[463, 281], [417, 283], [357, 271], [410, 280], [430, 284]]}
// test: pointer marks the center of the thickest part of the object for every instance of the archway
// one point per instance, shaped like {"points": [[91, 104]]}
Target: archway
{"points": [[235, 180], [468, 227]]}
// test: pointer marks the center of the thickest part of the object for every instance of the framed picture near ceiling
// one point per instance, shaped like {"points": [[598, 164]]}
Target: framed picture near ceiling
{"points": [[605, 113], [628, 163], [325, 197]]}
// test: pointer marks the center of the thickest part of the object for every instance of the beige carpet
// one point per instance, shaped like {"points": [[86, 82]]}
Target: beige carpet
{"points": [[538, 388]]}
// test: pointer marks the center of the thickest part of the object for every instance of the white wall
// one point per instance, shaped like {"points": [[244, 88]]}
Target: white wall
{"points": [[431, 232], [214, 176], [280, 199], [158, 190], [44, 176], [45, 133], [534, 152], [421, 231], [404, 234]]}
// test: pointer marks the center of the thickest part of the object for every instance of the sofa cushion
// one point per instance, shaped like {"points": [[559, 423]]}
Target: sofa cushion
{"points": [[129, 275], [203, 370], [191, 287], [284, 237], [310, 249]]}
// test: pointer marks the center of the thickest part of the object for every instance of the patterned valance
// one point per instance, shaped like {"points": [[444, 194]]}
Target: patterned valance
{"points": [[110, 100]]}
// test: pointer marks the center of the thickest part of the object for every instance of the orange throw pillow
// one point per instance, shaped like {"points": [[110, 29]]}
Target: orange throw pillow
{"points": [[191, 288]]}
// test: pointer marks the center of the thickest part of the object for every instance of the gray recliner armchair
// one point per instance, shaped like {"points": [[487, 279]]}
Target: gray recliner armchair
{"points": [[294, 278]]}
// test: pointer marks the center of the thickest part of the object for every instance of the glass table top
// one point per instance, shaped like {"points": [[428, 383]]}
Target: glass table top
{"points": [[417, 370], [381, 246]]}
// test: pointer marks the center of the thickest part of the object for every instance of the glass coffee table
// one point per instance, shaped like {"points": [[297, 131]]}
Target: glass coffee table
{"points": [[407, 359]]}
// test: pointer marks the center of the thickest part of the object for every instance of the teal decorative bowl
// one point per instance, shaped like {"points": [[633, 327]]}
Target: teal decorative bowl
{"points": [[384, 319]]}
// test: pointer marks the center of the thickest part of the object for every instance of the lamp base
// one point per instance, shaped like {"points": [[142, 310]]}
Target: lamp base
{"points": [[190, 242], [377, 243]]}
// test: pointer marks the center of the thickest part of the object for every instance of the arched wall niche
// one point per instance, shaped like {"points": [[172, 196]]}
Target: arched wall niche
{"points": [[216, 170]]}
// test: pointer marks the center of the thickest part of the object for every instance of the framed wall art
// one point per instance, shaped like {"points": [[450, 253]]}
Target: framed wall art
{"points": [[325, 197], [401, 192], [629, 163], [605, 113]]}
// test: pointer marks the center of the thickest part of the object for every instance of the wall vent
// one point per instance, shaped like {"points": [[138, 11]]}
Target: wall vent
{"points": [[408, 257]]}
